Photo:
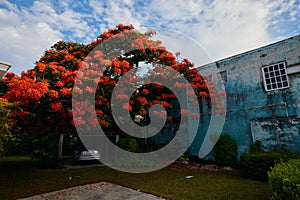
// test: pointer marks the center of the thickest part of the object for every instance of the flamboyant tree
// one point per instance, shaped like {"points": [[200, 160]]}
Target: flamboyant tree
{"points": [[44, 93]]}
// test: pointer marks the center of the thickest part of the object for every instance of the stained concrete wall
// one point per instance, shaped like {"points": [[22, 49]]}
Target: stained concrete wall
{"points": [[248, 102], [277, 133]]}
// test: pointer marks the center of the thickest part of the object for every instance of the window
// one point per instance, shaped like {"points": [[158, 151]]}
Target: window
{"points": [[275, 77], [223, 76]]}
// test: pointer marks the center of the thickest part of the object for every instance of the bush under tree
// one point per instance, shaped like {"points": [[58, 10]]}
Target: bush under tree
{"points": [[256, 163], [225, 151]]}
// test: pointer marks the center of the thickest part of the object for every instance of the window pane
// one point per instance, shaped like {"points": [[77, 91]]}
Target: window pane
{"points": [[272, 74], [285, 84], [274, 86], [269, 87], [275, 67], [265, 70], [271, 68], [278, 79], [283, 78], [277, 73], [279, 85], [282, 71], [281, 66], [223, 75]]}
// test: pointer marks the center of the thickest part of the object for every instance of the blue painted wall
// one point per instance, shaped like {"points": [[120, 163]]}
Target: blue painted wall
{"points": [[249, 103]]}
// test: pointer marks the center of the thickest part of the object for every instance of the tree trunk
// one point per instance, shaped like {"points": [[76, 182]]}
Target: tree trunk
{"points": [[60, 147]]}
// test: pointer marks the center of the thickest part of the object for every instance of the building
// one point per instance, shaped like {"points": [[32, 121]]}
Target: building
{"points": [[4, 67], [263, 97]]}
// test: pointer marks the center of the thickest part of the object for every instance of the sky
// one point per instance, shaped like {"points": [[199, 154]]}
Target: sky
{"points": [[204, 30]]}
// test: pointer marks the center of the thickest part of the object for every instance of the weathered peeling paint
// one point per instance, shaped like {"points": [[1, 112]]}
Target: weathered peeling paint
{"points": [[249, 107], [277, 133]]}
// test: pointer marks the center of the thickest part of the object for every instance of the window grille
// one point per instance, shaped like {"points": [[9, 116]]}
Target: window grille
{"points": [[275, 77]]}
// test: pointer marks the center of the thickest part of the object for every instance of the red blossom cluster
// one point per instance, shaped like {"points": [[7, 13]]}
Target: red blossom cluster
{"points": [[25, 90], [56, 106]]}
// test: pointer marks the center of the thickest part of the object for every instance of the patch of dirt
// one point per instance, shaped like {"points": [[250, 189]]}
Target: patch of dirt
{"points": [[197, 166]]}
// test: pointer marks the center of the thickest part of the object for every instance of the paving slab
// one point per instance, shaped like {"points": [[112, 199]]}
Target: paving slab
{"points": [[96, 191]]}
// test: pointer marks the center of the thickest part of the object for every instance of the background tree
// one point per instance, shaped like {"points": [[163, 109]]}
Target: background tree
{"points": [[6, 123]]}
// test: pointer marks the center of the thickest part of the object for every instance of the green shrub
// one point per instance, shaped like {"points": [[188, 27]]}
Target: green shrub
{"points": [[47, 159], [284, 179], [129, 144], [46, 151], [183, 158], [134, 160], [225, 151], [256, 147], [2, 152], [256, 164], [16, 144]]}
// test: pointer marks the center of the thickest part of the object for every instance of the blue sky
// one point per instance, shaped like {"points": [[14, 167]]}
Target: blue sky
{"points": [[219, 28]]}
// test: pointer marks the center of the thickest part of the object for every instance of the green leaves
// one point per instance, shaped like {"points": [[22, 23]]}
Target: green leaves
{"points": [[6, 109], [284, 179], [225, 151]]}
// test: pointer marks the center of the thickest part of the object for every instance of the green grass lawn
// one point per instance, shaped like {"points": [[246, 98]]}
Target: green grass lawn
{"points": [[19, 177]]}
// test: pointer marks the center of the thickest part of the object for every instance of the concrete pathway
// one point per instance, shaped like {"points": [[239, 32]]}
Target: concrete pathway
{"points": [[96, 191]]}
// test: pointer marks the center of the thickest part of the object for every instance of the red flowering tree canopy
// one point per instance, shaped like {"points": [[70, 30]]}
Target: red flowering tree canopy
{"points": [[45, 92]]}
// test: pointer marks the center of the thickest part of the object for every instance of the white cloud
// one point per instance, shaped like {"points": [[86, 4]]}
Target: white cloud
{"points": [[222, 28], [112, 13], [22, 42], [27, 32]]}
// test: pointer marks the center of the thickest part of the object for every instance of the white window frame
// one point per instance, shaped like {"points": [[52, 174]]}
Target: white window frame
{"points": [[274, 75]]}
